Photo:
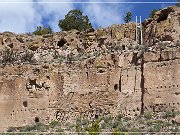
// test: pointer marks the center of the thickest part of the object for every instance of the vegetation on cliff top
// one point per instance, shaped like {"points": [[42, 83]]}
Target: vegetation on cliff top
{"points": [[42, 30], [75, 20], [128, 17]]}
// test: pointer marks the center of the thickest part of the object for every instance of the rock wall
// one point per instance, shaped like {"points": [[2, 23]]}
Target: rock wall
{"points": [[45, 93], [164, 27], [162, 76], [65, 75]]}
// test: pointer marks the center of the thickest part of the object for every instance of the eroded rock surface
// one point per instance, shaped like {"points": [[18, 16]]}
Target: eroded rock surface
{"points": [[69, 74]]}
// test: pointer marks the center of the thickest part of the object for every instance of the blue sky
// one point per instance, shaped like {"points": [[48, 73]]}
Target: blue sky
{"points": [[22, 16]]}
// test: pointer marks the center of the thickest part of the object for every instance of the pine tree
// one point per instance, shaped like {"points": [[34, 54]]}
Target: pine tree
{"points": [[75, 20], [128, 16]]}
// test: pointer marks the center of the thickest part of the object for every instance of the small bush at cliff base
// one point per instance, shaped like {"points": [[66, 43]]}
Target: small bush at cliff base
{"points": [[170, 114], [148, 115], [54, 124], [60, 131], [94, 129], [75, 20]]}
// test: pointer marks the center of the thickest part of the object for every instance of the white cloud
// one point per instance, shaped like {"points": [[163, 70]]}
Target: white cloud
{"points": [[55, 12], [106, 14], [17, 17], [25, 17]]}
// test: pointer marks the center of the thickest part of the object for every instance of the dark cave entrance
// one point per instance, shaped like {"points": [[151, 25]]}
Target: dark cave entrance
{"points": [[115, 86], [36, 119], [163, 15], [61, 42], [25, 104]]}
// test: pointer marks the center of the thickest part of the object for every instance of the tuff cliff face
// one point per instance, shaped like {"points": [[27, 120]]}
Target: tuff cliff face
{"points": [[163, 28], [69, 74]]}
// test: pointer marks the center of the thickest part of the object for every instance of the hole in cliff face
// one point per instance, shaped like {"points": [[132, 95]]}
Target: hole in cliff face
{"points": [[32, 82], [120, 84], [167, 38], [36, 119], [163, 15], [115, 86], [134, 59], [61, 42], [96, 116], [25, 104], [8, 41], [101, 71], [87, 75], [48, 77]]}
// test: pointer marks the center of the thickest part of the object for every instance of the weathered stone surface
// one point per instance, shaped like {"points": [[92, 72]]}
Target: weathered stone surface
{"points": [[177, 119], [165, 26], [64, 75]]}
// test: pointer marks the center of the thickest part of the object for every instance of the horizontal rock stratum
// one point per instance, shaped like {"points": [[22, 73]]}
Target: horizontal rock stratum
{"points": [[64, 75]]}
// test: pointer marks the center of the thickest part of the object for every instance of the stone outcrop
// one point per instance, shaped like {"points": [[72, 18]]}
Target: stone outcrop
{"points": [[64, 75], [164, 27]]}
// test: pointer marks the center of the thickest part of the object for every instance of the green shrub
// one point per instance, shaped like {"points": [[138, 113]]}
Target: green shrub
{"points": [[11, 129], [35, 127], [119, 117], [148, 115], [94, 128], [170, 114], [135, 131], [126, 119], [149, 122], [174, 129], [123, 128], [42, 30], [27, 56], [78, 125], [54, 123], [75, 20], [157, 126], [107, 118], [8, 56], [130, 47], [116, 132], [107, 122], [60, 131], [128, 17]]}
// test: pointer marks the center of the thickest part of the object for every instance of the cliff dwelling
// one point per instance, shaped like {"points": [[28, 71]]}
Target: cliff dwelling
{"points": [[45, 85]]}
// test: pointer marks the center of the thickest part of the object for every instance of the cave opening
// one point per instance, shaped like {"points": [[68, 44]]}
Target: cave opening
{"points": [[115, 86], [32, 82], [163, 15], [120, 84], [96, 116], [36, 119], [61, 42], [87, 75], [25, 104]]}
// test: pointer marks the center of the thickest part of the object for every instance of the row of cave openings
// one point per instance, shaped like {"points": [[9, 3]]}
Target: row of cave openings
{"points": [[157, 107], [166, 87]]}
